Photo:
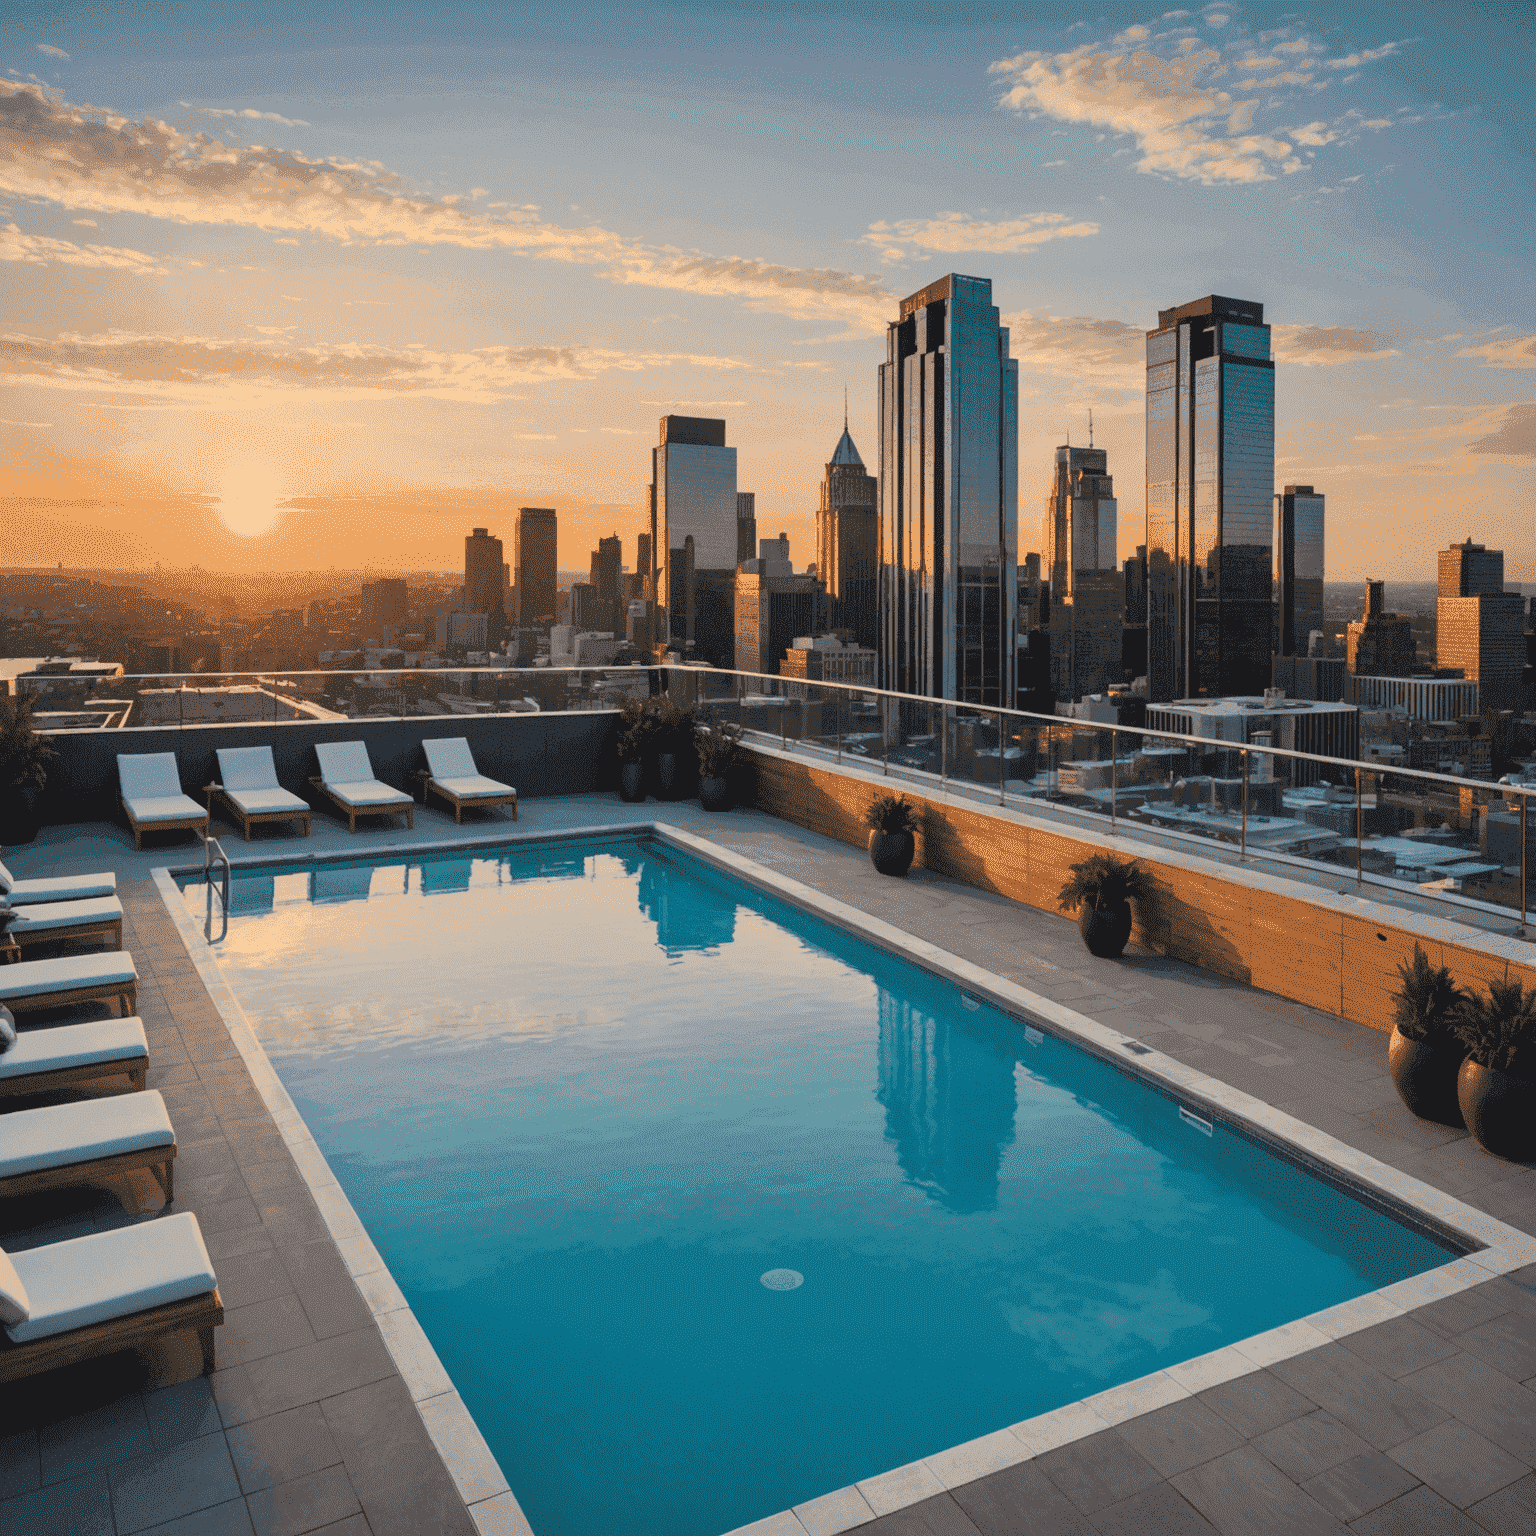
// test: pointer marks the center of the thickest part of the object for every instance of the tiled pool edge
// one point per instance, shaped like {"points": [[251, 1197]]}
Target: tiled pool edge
{"points": [[470, 1462], [1500, 1248]]}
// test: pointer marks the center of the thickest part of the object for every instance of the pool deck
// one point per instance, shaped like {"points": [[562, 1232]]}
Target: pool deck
{"points": [[1426, 1422]]}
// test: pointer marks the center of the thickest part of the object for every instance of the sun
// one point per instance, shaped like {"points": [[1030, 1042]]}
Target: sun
{"points": [[249, 496]]}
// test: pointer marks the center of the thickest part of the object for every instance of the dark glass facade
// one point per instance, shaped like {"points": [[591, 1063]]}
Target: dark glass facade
{"points": [[948, 497], [1210, 486], [1298, 574]]}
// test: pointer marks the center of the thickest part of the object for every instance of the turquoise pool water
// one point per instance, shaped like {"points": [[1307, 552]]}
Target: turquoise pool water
{"points": [[585, 1096]]}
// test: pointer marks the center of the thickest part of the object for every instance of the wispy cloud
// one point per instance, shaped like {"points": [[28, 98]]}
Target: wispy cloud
{"points": [[1311, 345], [52, 51], [1180, 99], [43, 251], [251, 113], [1515, 437], [231, 373], [1512, 352], [1108, 353], [955, 233]]}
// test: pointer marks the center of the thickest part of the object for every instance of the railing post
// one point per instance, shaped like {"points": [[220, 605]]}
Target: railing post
{"points": [[1359, 829], [1002, 788], [1243, 851], [943, 745], [1525, 801], [885, 737], [837, 720], [1114, 777]]}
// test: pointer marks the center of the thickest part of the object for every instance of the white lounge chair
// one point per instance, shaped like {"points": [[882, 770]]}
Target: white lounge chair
{"points": [[251, 791], [451, 771], [96, 917], [97, 1142], [58, 888], [346, 776], [150, 787], [105, 1056], [94, 1295], [71, 979]]}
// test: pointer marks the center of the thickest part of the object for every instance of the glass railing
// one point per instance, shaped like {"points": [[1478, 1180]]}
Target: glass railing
{"points": [[1454, 837]]}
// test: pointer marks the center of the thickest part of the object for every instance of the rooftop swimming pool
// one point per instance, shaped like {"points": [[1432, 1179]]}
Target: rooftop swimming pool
{"points": [[710, 1207]]}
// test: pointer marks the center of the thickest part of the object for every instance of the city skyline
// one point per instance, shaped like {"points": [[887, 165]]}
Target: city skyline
{"points": [[299, 279]]}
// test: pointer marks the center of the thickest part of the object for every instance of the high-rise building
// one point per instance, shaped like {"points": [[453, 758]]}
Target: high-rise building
{"points": [[848, 543], [534, 565], [1087, 584], [772, 607], [386, 605], [693, 524], [1380, 644], [746, 525], [1479, 627], [482, 573], [1210, 485], [1298, 571], [949, 496]]}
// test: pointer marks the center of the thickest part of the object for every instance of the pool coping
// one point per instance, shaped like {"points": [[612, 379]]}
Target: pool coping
{"points": [[1490, 1248]]}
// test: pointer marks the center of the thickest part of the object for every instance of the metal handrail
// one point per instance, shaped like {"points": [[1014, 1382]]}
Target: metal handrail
{"points": [[212, 845]]}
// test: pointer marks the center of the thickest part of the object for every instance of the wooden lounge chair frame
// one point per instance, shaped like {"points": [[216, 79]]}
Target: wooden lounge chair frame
{"points": [[196, 1314], [245, 820], [197, 823], [128, 1075], [105, 928], [352, 812], [103, 1172], [124, 993], [461, 803]]}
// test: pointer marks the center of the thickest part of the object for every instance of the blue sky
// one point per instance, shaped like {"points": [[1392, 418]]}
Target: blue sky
{"points": [[453, 259]]}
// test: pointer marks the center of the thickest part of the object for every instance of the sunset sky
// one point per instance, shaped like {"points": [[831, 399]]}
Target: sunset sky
{"points": [[296, 286]]}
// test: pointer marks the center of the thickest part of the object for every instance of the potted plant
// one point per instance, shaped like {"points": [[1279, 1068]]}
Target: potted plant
{"points": [[674, 729], [719, 750], [1101, 890], [1497, 1081], [892, 823], [1424, 1052], [24, 758], [636, 732]]}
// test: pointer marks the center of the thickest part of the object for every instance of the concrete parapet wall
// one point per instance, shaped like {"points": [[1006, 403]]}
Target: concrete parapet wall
{"points": [[1338, 953], [539, 754]]}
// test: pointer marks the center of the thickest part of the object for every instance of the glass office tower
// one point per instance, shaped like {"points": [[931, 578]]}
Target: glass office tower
{"points": [[949, 486], [1298, 573], [1210, 488]]}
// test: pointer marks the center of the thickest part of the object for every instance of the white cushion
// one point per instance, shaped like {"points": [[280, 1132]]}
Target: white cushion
{"points": [[259, 802], [14, 1301], [476, 788], [152, 808], [75, 1045], [63, 888], [29, 978], [449, 757], [112, 1274], [8, 1036], [148, 774], [7, 880], [368, 792], [65, 1134], [344, 762], [40, 917], [247, 767]]}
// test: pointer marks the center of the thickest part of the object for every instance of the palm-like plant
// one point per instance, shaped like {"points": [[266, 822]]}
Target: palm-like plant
{"points": [[891, 814], [1499, 1031], [636, 729], [1104, 881], [1427, 1004], [718, 749], [24, 755]]}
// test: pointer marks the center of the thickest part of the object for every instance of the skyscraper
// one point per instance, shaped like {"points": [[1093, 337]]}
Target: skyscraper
{"points": [[1480, 627], [693, 527], [1087, 584], [1378, 643], [386, 605], [746, 525], [1298, 573], [534, 564], [1210, 488], [949, 480], [848, 542], [483, 582]]}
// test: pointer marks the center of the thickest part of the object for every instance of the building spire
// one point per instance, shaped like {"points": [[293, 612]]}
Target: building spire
{"points": [[845, 407], [1090, 426]]}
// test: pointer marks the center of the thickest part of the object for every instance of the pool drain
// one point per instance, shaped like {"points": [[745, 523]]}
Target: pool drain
{"points": [[783, 1279]]}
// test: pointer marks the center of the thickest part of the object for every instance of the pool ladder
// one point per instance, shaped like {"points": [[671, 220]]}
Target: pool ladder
{"points": [[212, 848]]}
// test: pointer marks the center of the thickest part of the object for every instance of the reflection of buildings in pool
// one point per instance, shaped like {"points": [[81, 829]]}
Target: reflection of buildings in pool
{"points": [[683, 921], [949, 1103], [343, 884], [250, 894], [445, 875]]}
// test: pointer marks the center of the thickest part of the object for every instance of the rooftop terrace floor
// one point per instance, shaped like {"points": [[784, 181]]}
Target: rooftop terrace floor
{"points": [[1424, 1423]]}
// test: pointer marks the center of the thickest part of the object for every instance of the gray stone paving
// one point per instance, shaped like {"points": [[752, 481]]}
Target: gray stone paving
{"points": [[1426, 1423]]}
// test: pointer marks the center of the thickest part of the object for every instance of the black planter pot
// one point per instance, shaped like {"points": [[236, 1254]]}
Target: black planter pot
{"points": [[632, 782], [715, 794], [1500, 1110], [1424, 1072], [18, 815], [1105, 930], [892, 852], [666, 773]]}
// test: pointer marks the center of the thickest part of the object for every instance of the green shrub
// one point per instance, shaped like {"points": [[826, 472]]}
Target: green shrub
{"points": [[1427, 1004], [1499, 1031], [1104, 881], [890, 814], [24, 755]]}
